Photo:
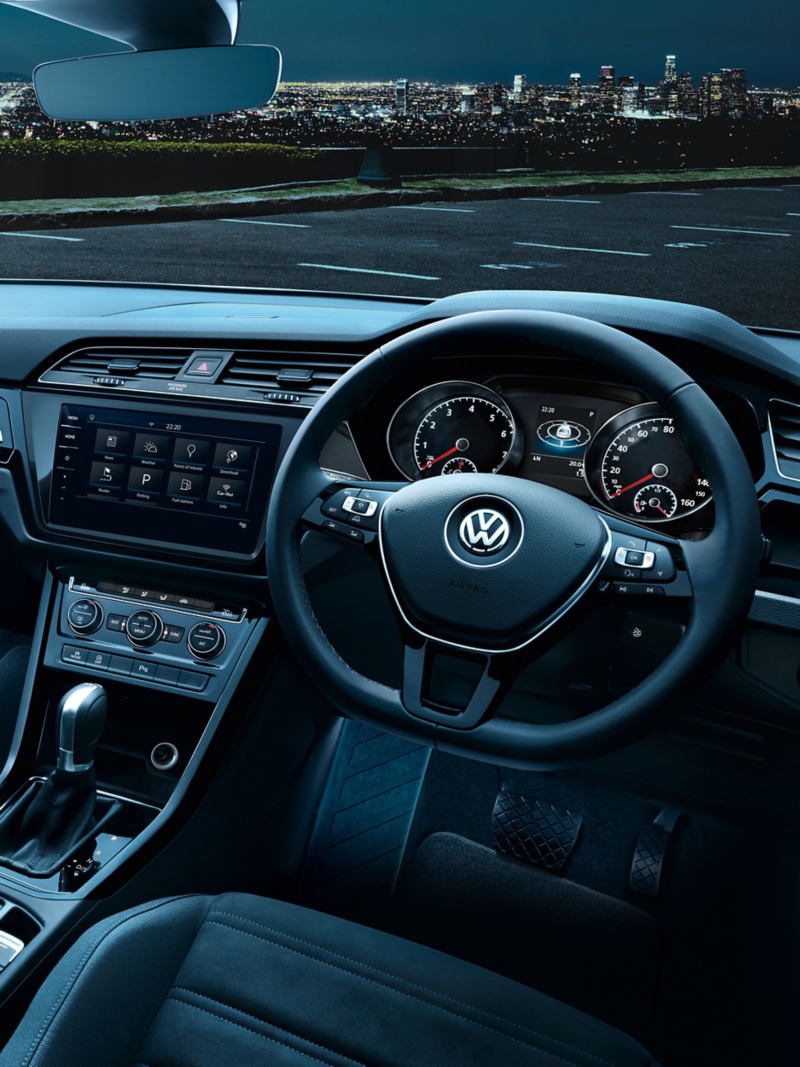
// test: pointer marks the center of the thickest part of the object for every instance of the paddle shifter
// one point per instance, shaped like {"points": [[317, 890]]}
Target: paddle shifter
{"points": [[80, 720], [44, 826]]}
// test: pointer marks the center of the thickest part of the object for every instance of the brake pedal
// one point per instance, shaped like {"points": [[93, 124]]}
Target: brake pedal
{"points": [[648, 858], [540, 834]]}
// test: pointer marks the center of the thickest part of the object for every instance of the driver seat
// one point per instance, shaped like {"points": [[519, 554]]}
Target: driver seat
{"points": [[243, 981]]}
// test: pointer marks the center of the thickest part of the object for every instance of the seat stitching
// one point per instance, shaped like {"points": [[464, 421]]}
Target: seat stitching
{"points": [[264, 1037], [79, 967], [265, 1022], [414, 985], [422, 1000]]}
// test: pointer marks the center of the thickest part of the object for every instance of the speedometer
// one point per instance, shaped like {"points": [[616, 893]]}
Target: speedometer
{"points": [[638, 466]]}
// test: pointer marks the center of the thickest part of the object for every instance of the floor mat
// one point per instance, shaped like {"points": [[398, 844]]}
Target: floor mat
{"points": [[587, 949], [362, 824]]}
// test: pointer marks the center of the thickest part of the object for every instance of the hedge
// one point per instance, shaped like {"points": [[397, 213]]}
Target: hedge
{"points": [[41, 170]]}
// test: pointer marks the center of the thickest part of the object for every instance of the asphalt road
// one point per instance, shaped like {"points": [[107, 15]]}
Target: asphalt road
{"points": [[734, 250]]}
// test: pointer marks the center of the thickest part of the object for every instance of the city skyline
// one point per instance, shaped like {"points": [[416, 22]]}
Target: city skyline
{"points": [[351, 43]]}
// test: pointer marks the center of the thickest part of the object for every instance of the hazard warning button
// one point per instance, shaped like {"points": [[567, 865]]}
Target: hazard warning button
{"points": [[203, 367]]}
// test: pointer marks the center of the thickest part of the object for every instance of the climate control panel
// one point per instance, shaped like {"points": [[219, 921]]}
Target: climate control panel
{"points": [[165, 643]]}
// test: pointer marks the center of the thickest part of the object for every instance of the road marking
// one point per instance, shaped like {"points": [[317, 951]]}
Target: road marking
{"points": [[364, 270], [686, 244], [257, 222], [559, 199], [39, 236], [421, 207], [570, 248], [794, 214], [662, 192], [506, 266], [720, 229]]}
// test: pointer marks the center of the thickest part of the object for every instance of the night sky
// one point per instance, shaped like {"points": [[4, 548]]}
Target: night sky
{"points": [[476, 40]]}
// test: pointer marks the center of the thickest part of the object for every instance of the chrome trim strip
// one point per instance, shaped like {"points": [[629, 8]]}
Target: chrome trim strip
{"points": [[551, 621], [777, 400]]}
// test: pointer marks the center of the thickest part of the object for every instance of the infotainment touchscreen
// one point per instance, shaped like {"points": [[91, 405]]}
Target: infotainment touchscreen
{"points": [[189, 481]]}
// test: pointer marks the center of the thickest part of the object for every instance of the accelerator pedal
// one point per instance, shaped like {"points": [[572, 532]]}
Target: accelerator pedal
{"points": [[648, 859], [540, 834]]}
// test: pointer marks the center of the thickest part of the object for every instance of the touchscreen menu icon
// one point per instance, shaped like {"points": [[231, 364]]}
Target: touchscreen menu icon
{"points": [[112, 441]]}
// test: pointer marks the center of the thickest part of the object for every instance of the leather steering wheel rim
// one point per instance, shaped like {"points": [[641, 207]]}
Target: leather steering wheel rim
{"points": [[723, 567]]}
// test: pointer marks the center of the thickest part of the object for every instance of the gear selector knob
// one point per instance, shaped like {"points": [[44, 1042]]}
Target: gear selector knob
{"points": [[80, 722]]}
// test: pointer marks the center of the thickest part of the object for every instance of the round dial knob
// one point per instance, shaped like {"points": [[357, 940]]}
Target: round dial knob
{"points": [[206, 640], [144, 628], [85, 616]]}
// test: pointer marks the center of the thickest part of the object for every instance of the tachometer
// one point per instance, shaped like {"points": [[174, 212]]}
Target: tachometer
{"points": [[455, 428], [469, 427], [638, 466]]}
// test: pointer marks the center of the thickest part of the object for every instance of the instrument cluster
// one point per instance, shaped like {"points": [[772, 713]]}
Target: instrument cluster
{"points": [[628, 458]]}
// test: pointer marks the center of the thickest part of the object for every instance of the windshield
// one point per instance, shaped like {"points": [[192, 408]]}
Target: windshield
{"points": [[432, 149]]}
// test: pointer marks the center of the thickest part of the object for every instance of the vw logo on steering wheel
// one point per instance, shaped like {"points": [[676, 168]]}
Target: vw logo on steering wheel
{"points": [[484, 531]]}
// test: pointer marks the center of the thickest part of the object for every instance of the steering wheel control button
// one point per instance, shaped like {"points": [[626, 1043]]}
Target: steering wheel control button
{"points": [[331, 526], [164, 756], [628, 557], [358, 506], [144, 628], [664, 564], [116, 622], [85, 616], [192, 680], [167, 675], [334, 506], [72, 654], [638, 589], [206, 640]]}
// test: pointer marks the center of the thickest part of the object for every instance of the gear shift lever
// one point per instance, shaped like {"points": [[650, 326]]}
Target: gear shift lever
{"points": [[81, 719], [40, 830]]}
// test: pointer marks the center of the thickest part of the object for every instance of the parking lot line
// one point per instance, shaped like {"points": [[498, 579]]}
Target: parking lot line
{"points": [[422, 207], [722, 229], [39, 236], [570, 248], [364, 270], [259, 222]]}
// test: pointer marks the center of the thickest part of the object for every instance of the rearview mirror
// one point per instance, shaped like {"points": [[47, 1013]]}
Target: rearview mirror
{"points": [[171, 83]]}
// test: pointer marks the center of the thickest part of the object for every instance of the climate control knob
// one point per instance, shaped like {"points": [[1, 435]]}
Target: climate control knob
{"points": [[144, 628], [206, 640], [85, 616]]}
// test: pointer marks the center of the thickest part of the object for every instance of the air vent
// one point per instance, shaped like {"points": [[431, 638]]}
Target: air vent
{"points": [[308, 375], [784, 427], [155, 364]]}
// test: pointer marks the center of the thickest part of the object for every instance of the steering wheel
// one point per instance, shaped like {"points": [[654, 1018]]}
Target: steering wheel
{"points": [[495, 569]]}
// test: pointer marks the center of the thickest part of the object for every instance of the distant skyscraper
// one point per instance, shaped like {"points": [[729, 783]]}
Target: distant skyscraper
{"points": [[671, 73], [687, 97], [482, 102], [737, 93], [625, 92], [520, 88], [641, 97], [606, 87], [498, 95], [574, 92], [401, 96], [467, 101]]}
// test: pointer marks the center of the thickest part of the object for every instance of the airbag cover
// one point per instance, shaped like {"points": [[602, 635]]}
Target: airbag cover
{"points": [[487, 561]]}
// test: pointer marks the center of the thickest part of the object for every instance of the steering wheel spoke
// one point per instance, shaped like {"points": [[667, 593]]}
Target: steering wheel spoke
{"points": [[350, 512]]}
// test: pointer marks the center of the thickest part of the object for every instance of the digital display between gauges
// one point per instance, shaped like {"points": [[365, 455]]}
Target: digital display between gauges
{"points": [[638, 467], [562, 435]]}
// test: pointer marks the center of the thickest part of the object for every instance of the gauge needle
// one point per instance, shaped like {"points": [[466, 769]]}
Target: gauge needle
{"points": [[633, 485], [449, 452]]}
